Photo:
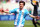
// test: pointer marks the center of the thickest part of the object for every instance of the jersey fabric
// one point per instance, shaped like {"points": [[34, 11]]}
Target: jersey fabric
{"points": [[19, 16]]}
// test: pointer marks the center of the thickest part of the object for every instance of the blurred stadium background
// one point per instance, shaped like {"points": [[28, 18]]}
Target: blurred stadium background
{"points": [[7, 20]]}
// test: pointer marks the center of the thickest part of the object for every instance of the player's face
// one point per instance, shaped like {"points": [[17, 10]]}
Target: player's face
{"points": [[21, 5], [35, 4]]}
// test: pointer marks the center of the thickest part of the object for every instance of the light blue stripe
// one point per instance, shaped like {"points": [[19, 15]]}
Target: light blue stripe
{"points": [[19, 17]]}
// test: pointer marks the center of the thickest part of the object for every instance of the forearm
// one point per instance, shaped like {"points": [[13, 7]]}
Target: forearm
{"points": [[32, 16], [6, 11], [32, 3]]}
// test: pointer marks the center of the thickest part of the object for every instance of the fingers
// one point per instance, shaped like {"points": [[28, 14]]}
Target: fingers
{"points": [[37, 17], [2, 10]]}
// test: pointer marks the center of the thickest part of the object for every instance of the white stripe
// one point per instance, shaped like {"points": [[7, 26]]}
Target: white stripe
{"points": [[21, 19], [34, 19], [17, 17]]}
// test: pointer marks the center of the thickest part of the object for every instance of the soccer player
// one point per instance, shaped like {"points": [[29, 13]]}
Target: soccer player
{"points": [[35, 13], [20, 14]]}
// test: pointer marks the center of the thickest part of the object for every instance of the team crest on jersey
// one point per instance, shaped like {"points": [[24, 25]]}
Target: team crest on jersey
{"points": [[22, 12], [18, 11]]}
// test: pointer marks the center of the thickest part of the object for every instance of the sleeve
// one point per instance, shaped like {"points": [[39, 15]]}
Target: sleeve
{"points": [[27, 12], [12, 11], [32, 3]]}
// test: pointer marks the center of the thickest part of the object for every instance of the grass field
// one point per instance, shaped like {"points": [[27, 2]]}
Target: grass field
{"points": [[11, 24]]}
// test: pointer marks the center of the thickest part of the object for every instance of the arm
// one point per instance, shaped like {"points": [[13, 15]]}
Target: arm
{"points": [[11, 11], [31, 15], [32, 3], [6, 11]]}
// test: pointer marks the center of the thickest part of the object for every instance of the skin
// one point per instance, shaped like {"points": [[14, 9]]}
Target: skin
{"points": [[35, 4], [21, 5]]}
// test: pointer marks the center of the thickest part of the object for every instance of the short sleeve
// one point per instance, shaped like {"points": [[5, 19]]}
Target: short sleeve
{"points": [[12, 11], [27, 12]]}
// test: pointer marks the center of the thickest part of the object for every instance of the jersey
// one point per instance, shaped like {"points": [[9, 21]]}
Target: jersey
{"points": [[19, 16]]}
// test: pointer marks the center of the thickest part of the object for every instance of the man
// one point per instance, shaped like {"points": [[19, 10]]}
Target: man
{"points": [[35, 13], [20, 14]]}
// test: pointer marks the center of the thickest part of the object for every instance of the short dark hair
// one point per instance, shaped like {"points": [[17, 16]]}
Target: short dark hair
{"points": [[22, 2], [37, 3]]}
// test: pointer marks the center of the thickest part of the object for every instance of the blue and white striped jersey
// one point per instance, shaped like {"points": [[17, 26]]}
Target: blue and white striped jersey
{"points": [[20, 16]]}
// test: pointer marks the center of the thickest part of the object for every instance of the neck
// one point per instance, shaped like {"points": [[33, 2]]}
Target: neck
{"points": [[21, 8]]}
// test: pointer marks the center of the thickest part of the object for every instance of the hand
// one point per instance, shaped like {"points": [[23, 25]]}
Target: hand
{"points": [[2, 10], [36, 17]]}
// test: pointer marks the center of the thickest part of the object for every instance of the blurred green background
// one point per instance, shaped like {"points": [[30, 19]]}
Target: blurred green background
{"points": [[11, 24]]}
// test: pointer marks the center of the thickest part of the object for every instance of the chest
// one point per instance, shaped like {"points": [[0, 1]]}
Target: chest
{"points": [[21, 12]]}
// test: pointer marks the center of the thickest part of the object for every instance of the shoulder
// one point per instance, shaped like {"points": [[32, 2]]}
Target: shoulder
{"points": [[25, 9], [16, 8]]}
